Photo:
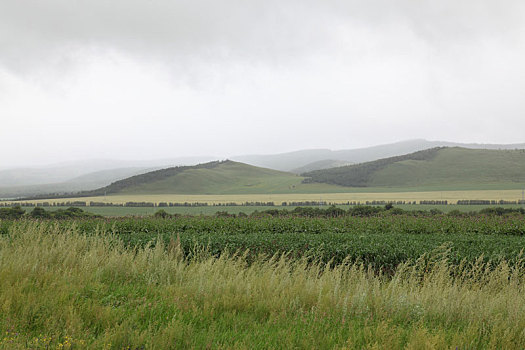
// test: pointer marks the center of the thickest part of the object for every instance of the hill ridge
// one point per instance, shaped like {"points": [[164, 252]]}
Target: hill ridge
{"points": [[151, 176], [357, 175], [296, 159], [439, 166]]}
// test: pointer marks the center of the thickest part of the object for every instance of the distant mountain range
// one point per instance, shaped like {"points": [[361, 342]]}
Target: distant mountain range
{"points": [[307, 158], [79, 175], [93, 174], [440, 168]]}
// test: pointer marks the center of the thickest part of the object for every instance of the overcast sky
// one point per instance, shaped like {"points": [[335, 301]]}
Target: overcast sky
{"points": [[146, 79]]}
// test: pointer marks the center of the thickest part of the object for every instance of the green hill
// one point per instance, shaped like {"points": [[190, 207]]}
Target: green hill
{"points": [[294, 160], [219, 177], [446, 168], [433, 169]]}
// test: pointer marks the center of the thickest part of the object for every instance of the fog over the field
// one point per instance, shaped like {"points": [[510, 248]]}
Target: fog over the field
{"points": [[137, 79]]}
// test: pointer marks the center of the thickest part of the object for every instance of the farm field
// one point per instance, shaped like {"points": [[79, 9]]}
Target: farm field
{"points": [[114, 211], [362, 196], [384, 240], [392, 282]]}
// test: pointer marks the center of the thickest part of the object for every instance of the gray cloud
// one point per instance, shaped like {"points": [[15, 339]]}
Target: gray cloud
{"points": [[33, 31], [257, 76], [171, 30]]}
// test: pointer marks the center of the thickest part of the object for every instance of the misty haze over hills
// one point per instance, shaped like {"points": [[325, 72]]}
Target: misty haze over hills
{"points": [[92, 174], [69, 171], [80, 175]]}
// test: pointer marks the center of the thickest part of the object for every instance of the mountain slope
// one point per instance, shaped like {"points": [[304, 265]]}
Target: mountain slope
{"points": [[293, 160], [447, 167], [219, 177], [69, 176]]}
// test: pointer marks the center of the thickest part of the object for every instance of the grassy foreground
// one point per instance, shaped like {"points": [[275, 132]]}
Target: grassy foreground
{"points": [[60, 289]]}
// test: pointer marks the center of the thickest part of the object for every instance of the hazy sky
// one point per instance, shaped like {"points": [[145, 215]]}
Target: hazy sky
{"points": [[134, 79]]}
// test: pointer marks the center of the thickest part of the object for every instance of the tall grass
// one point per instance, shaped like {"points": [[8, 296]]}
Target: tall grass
{"points": [[61, 289]]}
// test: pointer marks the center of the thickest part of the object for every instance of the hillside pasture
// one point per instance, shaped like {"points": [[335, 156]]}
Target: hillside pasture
{"points": [[437, 168]]}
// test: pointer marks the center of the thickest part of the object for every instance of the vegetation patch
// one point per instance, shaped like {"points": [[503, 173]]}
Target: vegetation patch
{"points": [[359, 175], [433, 168], [65, 289]]}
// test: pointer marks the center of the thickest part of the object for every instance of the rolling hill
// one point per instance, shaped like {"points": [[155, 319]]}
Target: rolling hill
{"points": [[85, 175], [218, 177], [293, 160], [440, 168], [436, 168], [407, 174]]}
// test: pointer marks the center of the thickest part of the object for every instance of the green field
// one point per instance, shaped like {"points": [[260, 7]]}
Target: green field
{"points": [[383, 240], [450, 196], [98, 284]]}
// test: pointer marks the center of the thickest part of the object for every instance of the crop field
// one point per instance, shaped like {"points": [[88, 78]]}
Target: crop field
{"points": [[361, 195], [384, 281], [381, 241]]}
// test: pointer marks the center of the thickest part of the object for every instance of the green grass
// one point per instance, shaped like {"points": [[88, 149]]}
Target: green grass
{"points": [[457, 167], [450, 169], [229, 178], [383, 241], [437, 169], [439, 174], [61, 289]]}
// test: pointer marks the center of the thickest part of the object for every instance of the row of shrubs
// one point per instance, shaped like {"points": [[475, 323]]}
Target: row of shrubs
{"points": [[361, 210], [40, 213], [388, 209]]}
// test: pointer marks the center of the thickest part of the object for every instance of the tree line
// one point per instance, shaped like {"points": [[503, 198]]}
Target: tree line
{"points": [[16, 212], [260, 204]]}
